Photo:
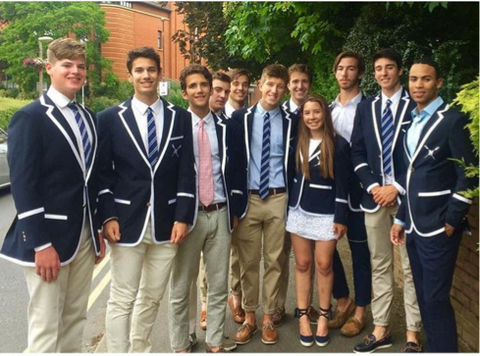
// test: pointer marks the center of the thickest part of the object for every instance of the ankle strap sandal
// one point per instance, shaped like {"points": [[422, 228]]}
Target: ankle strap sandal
{"points": [[301, 312], [326, 313]]}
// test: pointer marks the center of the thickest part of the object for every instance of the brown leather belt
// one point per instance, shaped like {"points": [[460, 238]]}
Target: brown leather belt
{"points": [[211, 207], [271, 191]]}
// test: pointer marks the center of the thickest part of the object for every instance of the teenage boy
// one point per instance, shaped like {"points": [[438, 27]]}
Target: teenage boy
{"points": [[265, 134], [349, 68], [240, 82], [146, 200], [376, 143], [299, 86], [433, 210], [211, 235], [52, 145]]}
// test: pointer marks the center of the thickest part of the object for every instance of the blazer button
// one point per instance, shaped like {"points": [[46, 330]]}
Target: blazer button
{"points": [[148, 203], [412, 169]]}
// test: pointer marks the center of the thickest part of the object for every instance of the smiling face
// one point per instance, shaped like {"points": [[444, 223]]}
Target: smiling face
{"points": [[313, 116], [347, 73], [423, 84], [299, 86], [67, 75], [145, 77], [239, 89], [387, 75], [221, 91], [272, 89], [197, 92]]}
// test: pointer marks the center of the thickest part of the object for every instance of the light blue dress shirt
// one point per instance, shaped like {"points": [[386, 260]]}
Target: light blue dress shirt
{"points": [[419, 120], [276, 179]]}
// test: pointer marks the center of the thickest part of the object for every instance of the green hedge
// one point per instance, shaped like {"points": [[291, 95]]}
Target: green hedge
{"points": [[8, 107]]}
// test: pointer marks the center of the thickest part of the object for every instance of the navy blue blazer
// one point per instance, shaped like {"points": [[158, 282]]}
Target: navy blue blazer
{"points": [[129, 190], [367, 145], [228, 172], [242, 123], [53, 191], [434, 181], [324, 196]]}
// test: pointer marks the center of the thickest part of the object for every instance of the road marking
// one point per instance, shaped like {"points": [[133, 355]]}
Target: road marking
{"points": [[98, 289]]}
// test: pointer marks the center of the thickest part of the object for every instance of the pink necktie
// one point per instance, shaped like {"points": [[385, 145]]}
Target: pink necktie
{"points": [[205, 176]]}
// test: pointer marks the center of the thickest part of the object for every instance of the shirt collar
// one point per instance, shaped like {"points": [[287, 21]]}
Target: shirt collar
{"points": [[272, 113], [292, 105], [353, 102], [58, 98], [207, 119], [428, 111], [142, 107], [395, 98]]}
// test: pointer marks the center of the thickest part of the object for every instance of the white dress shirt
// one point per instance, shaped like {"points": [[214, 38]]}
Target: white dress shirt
{"points": [[140, 113], [343, 116]]}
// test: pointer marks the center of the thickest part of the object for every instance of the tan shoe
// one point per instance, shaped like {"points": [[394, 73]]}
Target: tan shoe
{"points": [[238, 313], [352, 327], [278, 316], [203, 320], [269, 334], [244, 333], [313, 315], [340, 318]]}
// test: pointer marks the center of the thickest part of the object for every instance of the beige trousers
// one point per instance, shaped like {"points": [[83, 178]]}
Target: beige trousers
{"points": [[263, 226], [140, 276], [378, 225], [57, 311]]}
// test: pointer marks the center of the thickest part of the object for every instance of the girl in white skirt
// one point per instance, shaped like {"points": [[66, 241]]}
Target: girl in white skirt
{"points": [[318, 208]]}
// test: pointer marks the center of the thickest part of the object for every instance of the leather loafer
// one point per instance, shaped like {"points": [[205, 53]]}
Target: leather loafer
{"points": [[371, 344], [412, 347], [244, 333], [352, 327], [313, 315], [238, 314], [269, 334], [340, 318], [278, 316], [203, 320]]}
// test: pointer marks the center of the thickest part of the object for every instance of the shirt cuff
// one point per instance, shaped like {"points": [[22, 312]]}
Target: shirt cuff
{"points": [[400, 189], [43, 247], [372, 186], [399, 222]]}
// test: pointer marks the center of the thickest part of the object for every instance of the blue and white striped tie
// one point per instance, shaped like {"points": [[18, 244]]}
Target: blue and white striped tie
{"points": [[87, 146], [265, 162], [152, 138], [388, 129]]}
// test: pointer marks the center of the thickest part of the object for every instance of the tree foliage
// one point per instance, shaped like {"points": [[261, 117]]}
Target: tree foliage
{"points": [[26, 21]]}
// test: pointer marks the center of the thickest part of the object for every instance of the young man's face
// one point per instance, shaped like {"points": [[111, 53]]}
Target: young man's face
{"points": [[197, 92], [144, 77], [272, 90], [220, 93], [67, 75], [423, 84], [387, 74], [299, 86], [347, 73], [239, 88]]}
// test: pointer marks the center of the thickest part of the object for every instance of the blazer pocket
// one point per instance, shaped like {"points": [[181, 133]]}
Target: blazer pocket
{"points": [[176, 138], [56, 217], [434, 194], [122, 201], [319, 186]]}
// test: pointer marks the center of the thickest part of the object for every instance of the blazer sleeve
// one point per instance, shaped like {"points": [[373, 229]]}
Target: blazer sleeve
{"points": [[462, 149], [402, 210], [106, 209], [186, 190], [25, 158], [342, 169], [359, 151]]}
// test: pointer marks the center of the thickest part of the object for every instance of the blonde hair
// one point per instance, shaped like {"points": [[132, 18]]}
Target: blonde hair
{"points": [[327, 147], [65, 48]]}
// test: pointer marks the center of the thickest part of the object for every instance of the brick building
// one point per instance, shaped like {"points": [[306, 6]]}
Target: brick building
{"points": [[147, 23]]}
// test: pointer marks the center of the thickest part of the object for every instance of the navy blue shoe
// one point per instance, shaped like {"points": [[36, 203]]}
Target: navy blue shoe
{"points": [[322, 341], [371, 344], [306, 341]]}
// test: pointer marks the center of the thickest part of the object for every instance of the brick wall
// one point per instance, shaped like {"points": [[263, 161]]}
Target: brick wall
{"points": [[464, 293]]}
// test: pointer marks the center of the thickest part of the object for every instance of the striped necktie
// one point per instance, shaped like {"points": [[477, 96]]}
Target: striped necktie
{"points": [[87, 146], [387, 138], [265, 162], [152, 138]]}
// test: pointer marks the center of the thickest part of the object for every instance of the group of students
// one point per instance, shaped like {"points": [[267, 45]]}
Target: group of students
{"points": [[181, 194]]}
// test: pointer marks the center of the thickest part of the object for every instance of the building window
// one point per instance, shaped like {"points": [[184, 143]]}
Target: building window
{"points": [[159, 40], [121, 3]]}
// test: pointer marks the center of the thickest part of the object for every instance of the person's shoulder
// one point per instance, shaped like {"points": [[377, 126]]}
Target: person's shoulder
{"points": [[341, 142], [239, 114]]}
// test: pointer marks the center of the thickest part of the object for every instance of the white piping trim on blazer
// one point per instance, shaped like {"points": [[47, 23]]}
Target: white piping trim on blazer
{"points": [[338, 200], [94, 142], [122, 201], [172, 201], [459, 197], [30, 213], [235, 191], [56, 217], [188, 195], [319, 186], [360, 166], [434, 194], [105, 191], [176, 138]]}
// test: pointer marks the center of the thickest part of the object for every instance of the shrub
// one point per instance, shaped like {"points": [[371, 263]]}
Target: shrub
{"points": [[3, 93], [12, 93], [175, 95], [8, 107], [32, 95], [125, 91], [101, 103]]}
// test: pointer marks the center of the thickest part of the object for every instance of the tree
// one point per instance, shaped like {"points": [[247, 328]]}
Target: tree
{"points": [[26, 21]]}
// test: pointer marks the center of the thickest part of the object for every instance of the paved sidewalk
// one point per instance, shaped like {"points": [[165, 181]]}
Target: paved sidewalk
{"points": [[288, 332]]}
